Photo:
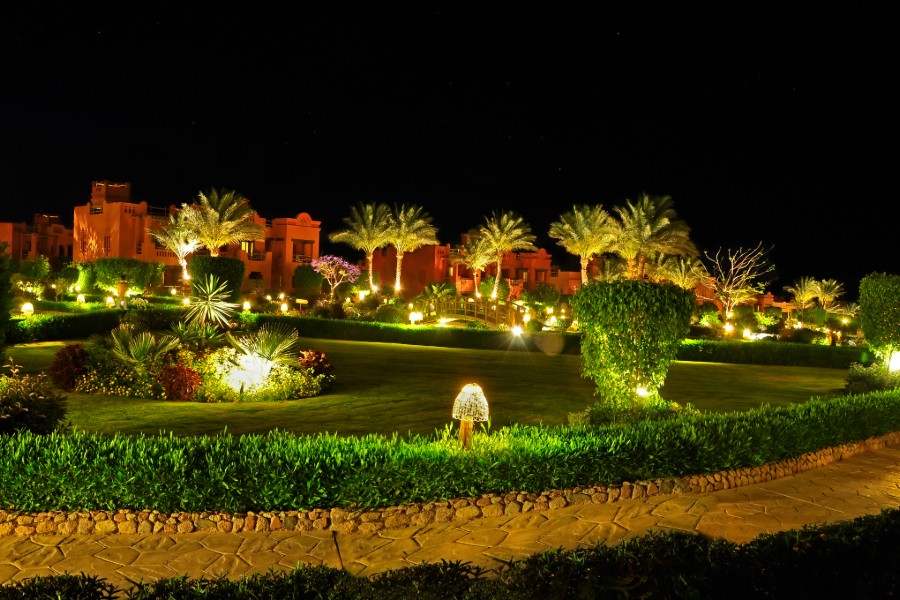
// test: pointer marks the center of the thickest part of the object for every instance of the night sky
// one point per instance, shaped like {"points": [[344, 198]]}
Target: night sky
{"points": [[769, 126]]}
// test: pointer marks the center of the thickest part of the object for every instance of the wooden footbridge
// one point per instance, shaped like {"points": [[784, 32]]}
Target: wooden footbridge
{"points": [[485, 310]]}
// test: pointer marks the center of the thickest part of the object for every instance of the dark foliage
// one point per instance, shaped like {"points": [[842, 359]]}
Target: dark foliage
{"points": [[68, 365], [179, 382]]}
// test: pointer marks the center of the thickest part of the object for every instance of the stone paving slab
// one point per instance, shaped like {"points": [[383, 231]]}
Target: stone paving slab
{"points": [[863, 484]]}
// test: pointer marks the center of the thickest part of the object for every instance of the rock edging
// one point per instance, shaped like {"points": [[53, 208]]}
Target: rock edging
{"points": [[352, 520]]}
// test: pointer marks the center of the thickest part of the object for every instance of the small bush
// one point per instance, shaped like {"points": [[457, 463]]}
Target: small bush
{"points": [[29, 402], [316, 362], [610, 413], [69, 364], [874, 378], [286, 383], [391, 313], [180, 383]]}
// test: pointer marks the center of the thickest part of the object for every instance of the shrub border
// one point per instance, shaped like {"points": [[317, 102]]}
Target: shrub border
{"points": [[362, 520]]}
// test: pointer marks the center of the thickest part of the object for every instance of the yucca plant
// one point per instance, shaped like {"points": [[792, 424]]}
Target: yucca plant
{"points": [[210, 304]]}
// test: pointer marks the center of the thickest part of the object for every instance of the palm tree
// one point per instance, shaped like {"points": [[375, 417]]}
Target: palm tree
{"points": [[476, 254], [686, 273], [411, 228], [804, 290], [178, 237], [827, 291], [648, 228], [584, 231], [222, 218], [505, 232], [368, 227]]}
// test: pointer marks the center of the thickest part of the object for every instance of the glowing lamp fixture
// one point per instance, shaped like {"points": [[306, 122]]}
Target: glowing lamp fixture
{"points": [[798, 325], [363, 294], [268, 297], [281, 296], [246, 305], [526, 318], [517, 331], [642, 392], [186, 301], [470, 406], [79, 299], [173, 291], [110, 301], [748, 334], [415, 317], [729, 328], [894, 363], [284, 307], [28, 308]]}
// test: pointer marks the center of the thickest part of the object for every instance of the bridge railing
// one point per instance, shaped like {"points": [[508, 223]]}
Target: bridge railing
{"points": [[492, 312]]}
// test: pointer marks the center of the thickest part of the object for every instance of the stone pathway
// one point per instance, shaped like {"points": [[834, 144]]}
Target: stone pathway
{"points": [[860, 485]]}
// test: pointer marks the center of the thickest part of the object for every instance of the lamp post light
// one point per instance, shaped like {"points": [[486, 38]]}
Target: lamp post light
{"points": [[470, 406]]}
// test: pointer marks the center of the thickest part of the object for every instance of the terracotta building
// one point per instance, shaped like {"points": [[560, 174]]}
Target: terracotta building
{"points": [[111, 224], [47, 236]]}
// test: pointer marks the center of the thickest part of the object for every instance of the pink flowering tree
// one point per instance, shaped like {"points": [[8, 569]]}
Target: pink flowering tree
{"points": [[335, 270]]}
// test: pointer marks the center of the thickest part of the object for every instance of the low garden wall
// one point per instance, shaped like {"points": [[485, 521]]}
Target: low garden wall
{"points": [[351, 520]]}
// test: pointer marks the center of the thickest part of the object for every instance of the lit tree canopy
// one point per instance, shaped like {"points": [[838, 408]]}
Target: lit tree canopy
{"points": [[505, 232], [738, 275], [335, 270], [585, 231], [411, 228], [178, 237], [368, 229], [222, 218]]}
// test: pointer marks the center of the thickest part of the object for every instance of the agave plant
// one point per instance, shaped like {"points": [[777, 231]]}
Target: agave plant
{"points": [[140, 349], [210, 304]]}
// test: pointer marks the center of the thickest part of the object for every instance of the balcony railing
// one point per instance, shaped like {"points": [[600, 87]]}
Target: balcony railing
{"points": [[258, 256], [302, 259]]}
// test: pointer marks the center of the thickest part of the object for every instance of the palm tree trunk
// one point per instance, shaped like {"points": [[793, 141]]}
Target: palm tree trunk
{"points": [[584, 266], [399, 269], [369, 262], [497, 276]]}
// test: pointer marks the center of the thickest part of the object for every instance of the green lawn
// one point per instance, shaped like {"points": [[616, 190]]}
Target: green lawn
{"points": [[387, 388]]}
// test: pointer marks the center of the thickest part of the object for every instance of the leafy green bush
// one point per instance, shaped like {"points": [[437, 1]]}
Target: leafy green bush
{"points": [[29, 403], [391, 313], [62, 327], [864, 379]]}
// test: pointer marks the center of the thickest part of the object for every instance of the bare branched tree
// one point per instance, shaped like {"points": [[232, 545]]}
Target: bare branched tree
{"points": [[738, 275]]}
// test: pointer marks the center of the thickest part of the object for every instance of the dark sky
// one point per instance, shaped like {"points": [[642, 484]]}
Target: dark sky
{"points": [[766, 124]]}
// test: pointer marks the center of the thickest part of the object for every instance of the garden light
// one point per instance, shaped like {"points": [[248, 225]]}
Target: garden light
{"points": [[415, 317], [186, 301], [894, 363], [173, 291], [110, 301], [246, 305], [28, 308], [642, 392], [284, 307], [729, 328], [517, 331], [79, 299], [470, 406]]}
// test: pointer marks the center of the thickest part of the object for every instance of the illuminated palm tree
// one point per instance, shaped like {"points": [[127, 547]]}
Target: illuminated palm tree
{"points": [[222, 218], [584, 231], [178, 237], [648, 228], [686, 273], [505, 232], [804, 290], [411, 228], [368, 229], [827, 291], [476, 255]]}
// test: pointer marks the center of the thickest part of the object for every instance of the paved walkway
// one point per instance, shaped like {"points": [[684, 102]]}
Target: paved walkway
{"points": [[861, 485]]}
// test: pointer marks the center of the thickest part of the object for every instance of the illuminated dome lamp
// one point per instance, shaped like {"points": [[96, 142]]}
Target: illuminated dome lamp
{"points": [[28, 309], [469, 406]]}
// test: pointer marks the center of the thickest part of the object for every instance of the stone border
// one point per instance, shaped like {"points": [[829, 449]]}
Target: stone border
{"points": [[416, 514]]}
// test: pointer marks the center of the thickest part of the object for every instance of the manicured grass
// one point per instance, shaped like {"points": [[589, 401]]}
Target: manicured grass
{"points": [[387, 388]]}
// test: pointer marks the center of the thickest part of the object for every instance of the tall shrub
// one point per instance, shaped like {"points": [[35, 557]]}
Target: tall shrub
{"points": [[138, 274], [879, 313], [631, 332], [228, 271]]}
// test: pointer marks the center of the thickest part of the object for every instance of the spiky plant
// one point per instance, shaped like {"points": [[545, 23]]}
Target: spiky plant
{"points": [[197, 335], [139, 349], [210, 304], [276, 342]]}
